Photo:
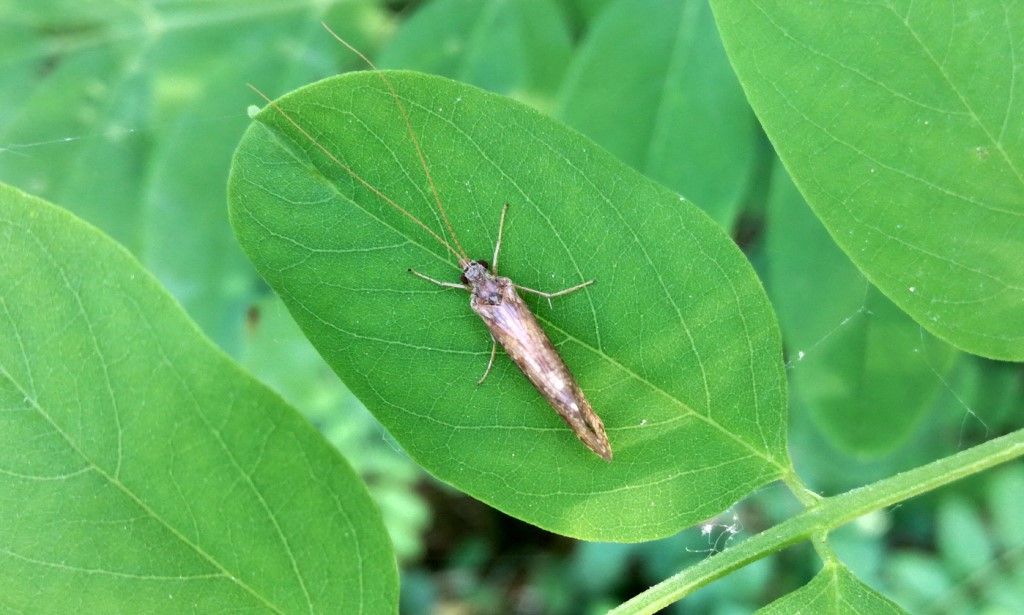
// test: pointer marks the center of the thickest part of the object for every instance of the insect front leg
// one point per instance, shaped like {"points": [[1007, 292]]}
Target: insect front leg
{"points": [[440, 283], [490, 362]]}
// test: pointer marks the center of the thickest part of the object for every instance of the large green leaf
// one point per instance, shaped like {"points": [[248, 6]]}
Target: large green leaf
{"points": [[675, 343], [666, 102], [834, 591], [902, 123], [867, 371], [140, 469], [515, 47]]}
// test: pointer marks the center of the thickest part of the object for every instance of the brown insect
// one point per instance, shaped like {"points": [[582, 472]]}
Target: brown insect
{"points": [[492, 297]]}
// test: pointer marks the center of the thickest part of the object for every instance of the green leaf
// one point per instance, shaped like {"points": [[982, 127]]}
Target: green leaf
{"points": [[140, 469], [836, 591], [666, 102], [903, 127], [515, 47], [675, 343], [867, 371]]}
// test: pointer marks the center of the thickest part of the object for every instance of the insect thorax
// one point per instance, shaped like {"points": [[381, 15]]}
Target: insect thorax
{"points": [[485, 286]]}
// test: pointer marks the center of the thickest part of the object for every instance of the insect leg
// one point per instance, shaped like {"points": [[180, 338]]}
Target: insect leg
{"points": [[497, 246], [558, 293], [490, 362], [438, 282]]}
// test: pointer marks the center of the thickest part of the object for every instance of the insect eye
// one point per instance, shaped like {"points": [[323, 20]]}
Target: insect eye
{"points": [[464, 280], [485, 264]]}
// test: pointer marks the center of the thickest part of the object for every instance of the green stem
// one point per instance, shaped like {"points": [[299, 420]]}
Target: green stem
{"points": [[826, 515], [810, 500]]}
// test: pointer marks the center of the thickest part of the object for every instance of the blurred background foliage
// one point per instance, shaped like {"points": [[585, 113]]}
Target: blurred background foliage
{"points": [[127, 113]]}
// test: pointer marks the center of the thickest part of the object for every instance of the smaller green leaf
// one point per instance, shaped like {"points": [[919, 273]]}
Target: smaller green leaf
{"points": [[665, 101], [866, 370], [833, 591], [140, 469], [519, 48]]}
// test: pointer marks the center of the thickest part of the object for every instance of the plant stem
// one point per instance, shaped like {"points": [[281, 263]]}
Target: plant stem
{"points": [[828, 514]]}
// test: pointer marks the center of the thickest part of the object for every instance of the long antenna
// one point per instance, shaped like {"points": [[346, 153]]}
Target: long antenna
{"points": [[460, 256], [412, 135]]}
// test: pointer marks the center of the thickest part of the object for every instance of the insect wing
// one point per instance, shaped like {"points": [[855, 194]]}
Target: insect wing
{"points": [[514, 327]]}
